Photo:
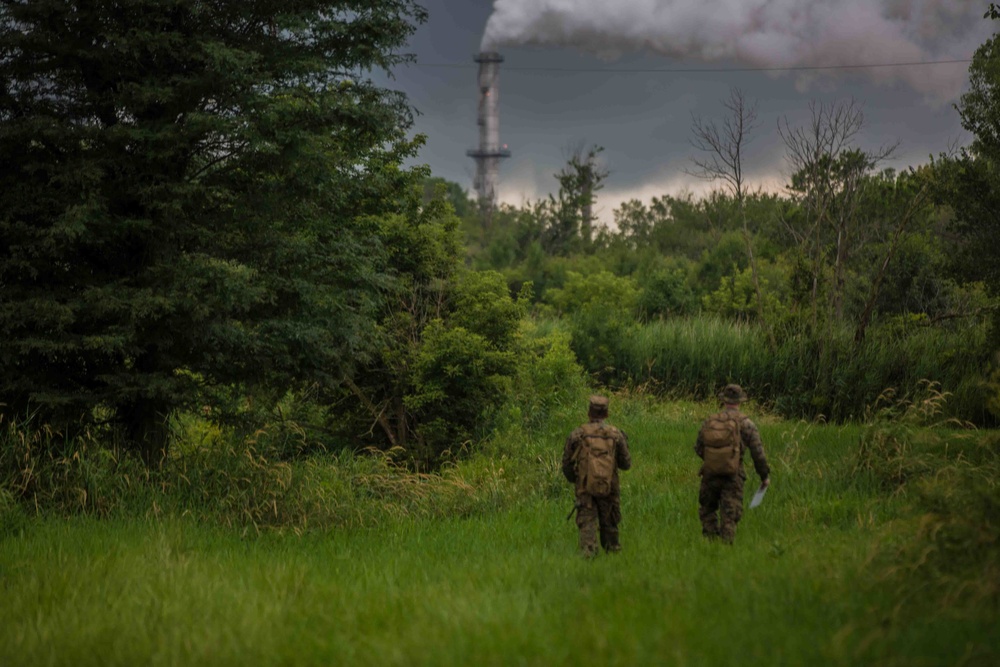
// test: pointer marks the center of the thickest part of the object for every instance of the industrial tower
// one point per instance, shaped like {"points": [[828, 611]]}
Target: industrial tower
{"points": [[490, 151]]}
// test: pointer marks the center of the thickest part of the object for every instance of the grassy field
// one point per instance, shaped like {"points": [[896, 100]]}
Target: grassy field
{"points": [[814, 576]]}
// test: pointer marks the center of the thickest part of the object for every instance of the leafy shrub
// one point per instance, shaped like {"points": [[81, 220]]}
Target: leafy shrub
{"points": [[443, 352], [719, 259], [548, 375], [602, 313], [736, 296], [456, 377], [666, 293], [481, 304]]}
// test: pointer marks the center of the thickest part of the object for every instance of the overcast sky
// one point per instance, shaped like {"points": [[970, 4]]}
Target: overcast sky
{"points": [[554, 96]]}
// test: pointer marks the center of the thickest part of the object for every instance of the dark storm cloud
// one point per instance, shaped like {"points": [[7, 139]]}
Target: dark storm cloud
{"points": [[759, 33]]}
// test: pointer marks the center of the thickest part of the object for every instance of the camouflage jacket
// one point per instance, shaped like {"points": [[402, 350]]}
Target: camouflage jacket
{"points": [[623, 459], [750, 440]]}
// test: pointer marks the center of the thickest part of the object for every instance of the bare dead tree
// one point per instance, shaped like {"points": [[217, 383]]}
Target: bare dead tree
{"points": [[580, 180], [828, 180], [722, 146]]}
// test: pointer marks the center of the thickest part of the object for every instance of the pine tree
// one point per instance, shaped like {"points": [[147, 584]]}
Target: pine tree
{"points": [[187, 198]]}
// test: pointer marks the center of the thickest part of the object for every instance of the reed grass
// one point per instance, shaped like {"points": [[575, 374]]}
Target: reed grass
{"points": [[804, 377]]}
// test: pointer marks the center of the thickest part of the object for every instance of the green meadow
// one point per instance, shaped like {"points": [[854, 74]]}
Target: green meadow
{"points": [[273, 393], [872, 548]]}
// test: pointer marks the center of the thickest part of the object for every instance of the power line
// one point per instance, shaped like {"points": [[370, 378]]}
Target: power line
{"points": [[701, 70]]}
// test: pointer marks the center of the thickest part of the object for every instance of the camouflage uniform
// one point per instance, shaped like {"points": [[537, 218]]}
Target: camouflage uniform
{"points": [[597, 513], [723, 494]]}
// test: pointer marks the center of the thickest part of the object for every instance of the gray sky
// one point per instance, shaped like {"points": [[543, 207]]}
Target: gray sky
{"points": [[552, 98]]}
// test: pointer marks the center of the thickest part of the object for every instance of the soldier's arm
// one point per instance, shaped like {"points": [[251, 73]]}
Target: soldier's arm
{"points": [[568, 459], [752, 441], [699, 446], [622, 455]]}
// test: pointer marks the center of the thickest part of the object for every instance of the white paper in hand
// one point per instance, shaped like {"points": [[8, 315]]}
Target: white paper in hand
{"points": [[758, 497]]}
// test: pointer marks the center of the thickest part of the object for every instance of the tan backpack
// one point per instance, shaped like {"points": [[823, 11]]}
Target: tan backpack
{"points": [[595, 460], [720, 434]]}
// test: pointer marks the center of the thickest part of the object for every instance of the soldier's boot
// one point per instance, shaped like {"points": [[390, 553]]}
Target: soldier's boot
{"points": [[609, 540], [708, 513]]}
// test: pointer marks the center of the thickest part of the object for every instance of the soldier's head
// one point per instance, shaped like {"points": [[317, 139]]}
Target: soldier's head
{"points": [[598, 409], [732, 394]]}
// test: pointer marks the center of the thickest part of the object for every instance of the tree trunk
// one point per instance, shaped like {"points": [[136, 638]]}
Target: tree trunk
{"points": [[401, 430], [147, 429], [838, 277], [379, 415], [587, 211]]}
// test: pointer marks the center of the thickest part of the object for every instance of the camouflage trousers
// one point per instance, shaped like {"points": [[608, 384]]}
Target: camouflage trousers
{"points": [[720, 505], [595, 515]]}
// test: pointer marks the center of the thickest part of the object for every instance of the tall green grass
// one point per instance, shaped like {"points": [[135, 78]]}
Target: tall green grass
{"points": [[477, 564], [949, 549], [836, 380]]}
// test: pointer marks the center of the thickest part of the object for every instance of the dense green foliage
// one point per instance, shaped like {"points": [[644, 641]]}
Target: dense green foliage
{"points": [[667, 300], [187, 197], [853, 280], [970, 184]]}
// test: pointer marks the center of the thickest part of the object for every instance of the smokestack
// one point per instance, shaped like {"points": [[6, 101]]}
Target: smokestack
{"points": [[490, 151]]}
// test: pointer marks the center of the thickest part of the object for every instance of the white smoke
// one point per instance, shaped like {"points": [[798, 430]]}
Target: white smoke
{"points": [[761, 33]]}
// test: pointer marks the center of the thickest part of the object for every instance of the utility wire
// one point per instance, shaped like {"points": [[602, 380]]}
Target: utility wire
{"points": [[705, 70]]}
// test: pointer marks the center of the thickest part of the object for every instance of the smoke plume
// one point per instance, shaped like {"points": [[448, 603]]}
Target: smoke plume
{"points": [[761, 33]]}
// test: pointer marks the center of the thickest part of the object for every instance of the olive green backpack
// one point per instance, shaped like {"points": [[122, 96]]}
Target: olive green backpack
{"points": [[595, 461], [720, 434]]}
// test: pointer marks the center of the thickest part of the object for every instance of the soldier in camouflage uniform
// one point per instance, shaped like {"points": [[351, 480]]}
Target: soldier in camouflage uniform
{"points": [[593, 513], [724, 494]]}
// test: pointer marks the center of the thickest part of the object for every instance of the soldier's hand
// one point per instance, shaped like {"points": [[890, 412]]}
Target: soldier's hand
{"points": [[765, 483]]}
